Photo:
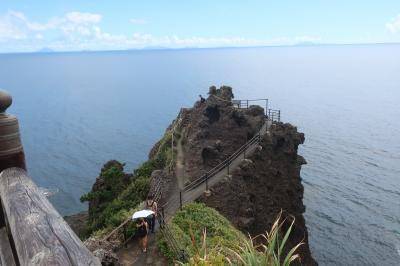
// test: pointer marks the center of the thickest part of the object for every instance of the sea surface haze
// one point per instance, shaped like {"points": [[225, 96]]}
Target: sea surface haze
{"points": [[79, 110]]}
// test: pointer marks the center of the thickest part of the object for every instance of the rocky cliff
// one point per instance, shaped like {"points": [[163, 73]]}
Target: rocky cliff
{"points": [[212, 130], [266, 184], [251, 198]]}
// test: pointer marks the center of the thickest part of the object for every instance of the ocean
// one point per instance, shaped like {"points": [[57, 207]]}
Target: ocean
{"points": [[79, 110]]}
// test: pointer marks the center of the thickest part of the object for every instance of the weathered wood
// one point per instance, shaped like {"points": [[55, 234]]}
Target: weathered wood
{"points": [[6, 255], [40, 234]]}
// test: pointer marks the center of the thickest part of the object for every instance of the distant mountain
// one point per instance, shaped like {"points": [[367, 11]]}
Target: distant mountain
{"points": [[307, 44], [46, 50], [154, 48]]}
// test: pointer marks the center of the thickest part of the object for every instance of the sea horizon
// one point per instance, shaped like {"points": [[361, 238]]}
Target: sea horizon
{"points": [[79, 110]]}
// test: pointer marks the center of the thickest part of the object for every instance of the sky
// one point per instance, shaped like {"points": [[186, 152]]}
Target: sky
{"points": [[72, 25]]}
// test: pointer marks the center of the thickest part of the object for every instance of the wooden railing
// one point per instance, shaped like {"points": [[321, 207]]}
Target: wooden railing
{"points": [[32, 232], [36, 233]]}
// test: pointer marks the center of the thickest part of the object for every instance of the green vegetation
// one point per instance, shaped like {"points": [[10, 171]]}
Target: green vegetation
{"points": [[192, 220], [270, 254], [211, 240], [120, 193]]}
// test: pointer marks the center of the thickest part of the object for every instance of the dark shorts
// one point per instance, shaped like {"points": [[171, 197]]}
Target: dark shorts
{"points": [[141, 233]]}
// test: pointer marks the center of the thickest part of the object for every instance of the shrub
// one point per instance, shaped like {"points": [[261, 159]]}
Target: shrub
{"points": [[190, 222], [211, 240], [119, 195]]}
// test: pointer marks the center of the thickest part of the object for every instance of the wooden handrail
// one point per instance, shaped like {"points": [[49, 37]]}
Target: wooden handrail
{"points": [[38, 233]]}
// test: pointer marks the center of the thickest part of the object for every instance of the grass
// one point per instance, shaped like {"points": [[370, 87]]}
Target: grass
{"points": [[210, 239], [188, 225]]}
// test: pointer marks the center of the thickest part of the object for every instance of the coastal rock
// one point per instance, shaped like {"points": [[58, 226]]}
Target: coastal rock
{"points": [[111, 181], [263, 185], [215, 129]]}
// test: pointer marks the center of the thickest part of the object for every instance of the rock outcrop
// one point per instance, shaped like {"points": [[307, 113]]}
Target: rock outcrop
{"points": [[214, 129], [111, 181], [104, 250], [263, 185]]}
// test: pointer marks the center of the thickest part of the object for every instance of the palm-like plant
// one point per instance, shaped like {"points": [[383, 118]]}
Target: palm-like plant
{"points": [[202, 256], [248, 254], [271, 253]]}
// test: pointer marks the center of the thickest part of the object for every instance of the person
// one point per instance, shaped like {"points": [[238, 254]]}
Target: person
{"points": [[142, 231], [151, 204], [202, 100]]}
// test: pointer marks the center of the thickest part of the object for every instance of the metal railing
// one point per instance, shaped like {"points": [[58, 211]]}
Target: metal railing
{"points": [[173, 244], [177, 201], [224, 164], [274, 115], [245, 104]]}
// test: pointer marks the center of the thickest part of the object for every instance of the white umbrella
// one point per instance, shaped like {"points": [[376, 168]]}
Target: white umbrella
{"points": [[142, 214]]}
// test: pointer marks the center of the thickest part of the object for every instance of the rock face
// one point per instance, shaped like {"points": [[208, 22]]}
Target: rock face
{"points": [[111, 181], [263, 185], [104, 250], [214, 129]]}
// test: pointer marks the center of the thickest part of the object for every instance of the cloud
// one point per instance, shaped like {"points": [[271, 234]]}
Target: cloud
{"points": [[82, 31], [83, 18], [393, 26], [137, 21], [15, 25]]}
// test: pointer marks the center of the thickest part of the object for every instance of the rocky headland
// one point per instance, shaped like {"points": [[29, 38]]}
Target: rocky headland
{"points": [[267, 183]]}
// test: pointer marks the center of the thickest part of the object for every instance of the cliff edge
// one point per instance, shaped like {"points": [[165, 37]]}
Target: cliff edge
{"points": [[266, 183]]}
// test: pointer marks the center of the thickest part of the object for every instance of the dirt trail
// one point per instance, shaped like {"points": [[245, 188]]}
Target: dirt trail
{"points": [[180, 165], [132, 254]]}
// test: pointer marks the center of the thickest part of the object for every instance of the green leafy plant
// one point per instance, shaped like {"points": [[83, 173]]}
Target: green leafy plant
{"points": [[221, 244], [204, 256], [272, 252]]}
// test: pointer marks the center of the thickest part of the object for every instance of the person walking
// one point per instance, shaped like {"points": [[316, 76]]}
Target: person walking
{"points": [[202, 100], [151, 204], [142, 231]]}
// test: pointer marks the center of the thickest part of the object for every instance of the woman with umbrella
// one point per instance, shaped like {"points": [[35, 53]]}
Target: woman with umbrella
{"points": [[142, 226], [142, 230]]}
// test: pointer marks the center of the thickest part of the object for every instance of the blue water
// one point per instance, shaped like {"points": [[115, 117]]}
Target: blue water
{"points": [[78, 110]]}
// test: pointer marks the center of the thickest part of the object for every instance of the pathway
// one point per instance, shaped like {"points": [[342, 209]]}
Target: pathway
{"points": [[132, 255]]}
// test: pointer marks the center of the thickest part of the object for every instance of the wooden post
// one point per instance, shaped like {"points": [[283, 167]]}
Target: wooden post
{"points": [[11, 151], [124, 232]]}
